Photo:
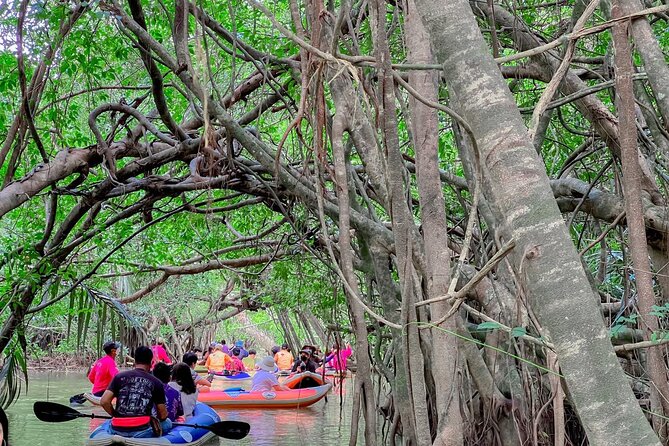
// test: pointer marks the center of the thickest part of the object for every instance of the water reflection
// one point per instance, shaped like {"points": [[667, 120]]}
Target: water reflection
{"points": [[324, 423]]}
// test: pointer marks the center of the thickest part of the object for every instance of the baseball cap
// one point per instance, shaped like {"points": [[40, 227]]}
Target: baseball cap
{"points": [[109, 345]]}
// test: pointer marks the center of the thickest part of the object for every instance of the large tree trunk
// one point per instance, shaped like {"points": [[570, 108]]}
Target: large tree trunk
{"points": [[547, 265], [425, 134]]}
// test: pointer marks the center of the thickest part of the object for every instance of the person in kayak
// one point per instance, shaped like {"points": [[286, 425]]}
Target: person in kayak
{"points": [[250, 360], [190, 359], [265, 380], [159, 353], [224, 348], [337, 358], [182, 381], [217, 360], [237, 364], [242, 351], [137, 394], [304, 363], [104, 369], [284, 359], [173, 402]]}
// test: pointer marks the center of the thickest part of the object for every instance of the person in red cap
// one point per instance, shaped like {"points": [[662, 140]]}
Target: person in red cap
{"points": [[104, 369]]}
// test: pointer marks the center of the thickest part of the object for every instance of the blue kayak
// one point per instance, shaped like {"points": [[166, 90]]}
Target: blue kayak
{"points": [[241, 376], [203, 415]]}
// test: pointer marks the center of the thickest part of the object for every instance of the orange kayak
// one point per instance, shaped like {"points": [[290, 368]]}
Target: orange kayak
{"points": [[286, 399], [304, 380]]}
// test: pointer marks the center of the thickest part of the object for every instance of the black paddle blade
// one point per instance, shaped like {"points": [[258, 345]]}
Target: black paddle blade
{"points": [[234, 430], [55, 413]]}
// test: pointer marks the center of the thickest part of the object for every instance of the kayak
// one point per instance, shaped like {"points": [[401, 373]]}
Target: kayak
{"points": [[304, 380], [241, 376], [182, 435], [285, 399]]}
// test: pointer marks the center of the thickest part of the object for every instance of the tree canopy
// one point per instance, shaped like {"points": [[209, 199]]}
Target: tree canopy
{"points": [[473, 191]]}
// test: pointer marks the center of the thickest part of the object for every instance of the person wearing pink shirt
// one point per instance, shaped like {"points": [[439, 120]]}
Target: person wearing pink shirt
{"points": [[159, 353], [104, 369], [338, 358]]}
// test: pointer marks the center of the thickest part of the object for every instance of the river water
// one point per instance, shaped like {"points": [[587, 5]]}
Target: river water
{"points": [[326, 423]]}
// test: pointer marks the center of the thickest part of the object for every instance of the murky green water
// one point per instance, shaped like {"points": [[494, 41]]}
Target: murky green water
{"points": [[323, 424]]}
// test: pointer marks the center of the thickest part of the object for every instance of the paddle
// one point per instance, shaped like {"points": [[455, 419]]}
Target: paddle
{"points": [[57, 413]]}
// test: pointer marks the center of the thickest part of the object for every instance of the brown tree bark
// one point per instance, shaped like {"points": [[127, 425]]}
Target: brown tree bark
{"points": [[659, 388], [548, 267]]}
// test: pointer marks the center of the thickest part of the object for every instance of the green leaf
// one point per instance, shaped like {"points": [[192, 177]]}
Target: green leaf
{"points": [[488, 325], [517, 332]]}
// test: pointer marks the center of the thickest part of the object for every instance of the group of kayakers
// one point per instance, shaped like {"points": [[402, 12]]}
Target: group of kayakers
{"points": [[157, 392]]}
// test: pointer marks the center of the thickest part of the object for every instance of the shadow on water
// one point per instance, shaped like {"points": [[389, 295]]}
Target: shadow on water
{"points": [[324, 423]]}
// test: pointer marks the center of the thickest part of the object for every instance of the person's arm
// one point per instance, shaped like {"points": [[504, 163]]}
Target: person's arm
{"points": [[280, 387], [200, 381], [161, 410], [106, 402]]}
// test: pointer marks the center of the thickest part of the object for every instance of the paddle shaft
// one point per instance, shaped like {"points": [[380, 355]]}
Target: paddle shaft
{"points": [[107, 417]]}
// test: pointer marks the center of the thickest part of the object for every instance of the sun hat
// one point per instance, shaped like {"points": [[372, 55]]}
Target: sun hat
{"points": [[267, 364]]}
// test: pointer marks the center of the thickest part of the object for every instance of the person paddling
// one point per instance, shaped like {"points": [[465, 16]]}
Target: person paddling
{"points": [[137, 393], [104, 369]]}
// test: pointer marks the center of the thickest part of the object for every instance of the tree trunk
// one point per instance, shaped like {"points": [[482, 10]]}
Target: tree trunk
{"points": [[550, 272], [659, 389], [425, 133], [654, 60]]}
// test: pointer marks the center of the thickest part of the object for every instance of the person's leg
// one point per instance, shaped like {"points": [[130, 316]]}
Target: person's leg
{"points": [[143, 433], [166, 425], [99, 393]]}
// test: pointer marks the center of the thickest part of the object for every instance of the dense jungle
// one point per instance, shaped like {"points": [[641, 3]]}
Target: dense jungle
{"points": [[472, 193]]}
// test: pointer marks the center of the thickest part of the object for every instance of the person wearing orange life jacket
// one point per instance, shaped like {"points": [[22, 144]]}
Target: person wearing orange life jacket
{"points": [[104, 369], [138, 393], [284, 359], [217, 360]]}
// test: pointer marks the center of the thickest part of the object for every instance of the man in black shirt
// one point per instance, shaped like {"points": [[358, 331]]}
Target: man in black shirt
{"points": [[137, 393], [304, 363]]}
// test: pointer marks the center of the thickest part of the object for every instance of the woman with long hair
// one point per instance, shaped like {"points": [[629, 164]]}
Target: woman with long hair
{"points": [[182, 380]]}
